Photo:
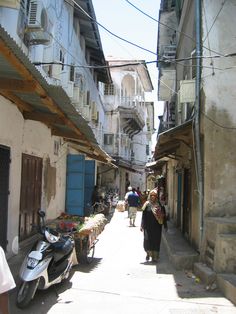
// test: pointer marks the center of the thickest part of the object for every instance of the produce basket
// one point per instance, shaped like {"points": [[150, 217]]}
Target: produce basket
{"points": [[85, 231]]}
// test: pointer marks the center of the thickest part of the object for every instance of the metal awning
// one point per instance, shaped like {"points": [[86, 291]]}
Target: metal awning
{"points": [[156, 165], [23, 84], [169, 141], [125, 165]]}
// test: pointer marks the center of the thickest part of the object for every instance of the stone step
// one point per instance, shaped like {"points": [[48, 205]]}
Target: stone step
{"points": [[227, 284], [205, 273], [180, 253], [223, 224], [225, 253]]}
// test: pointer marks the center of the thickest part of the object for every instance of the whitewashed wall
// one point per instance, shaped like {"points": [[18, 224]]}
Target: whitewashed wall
{"points": [[33, 138], [219, 119]]}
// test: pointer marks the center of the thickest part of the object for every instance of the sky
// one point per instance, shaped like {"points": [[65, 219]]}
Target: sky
{"points": [[125, 21]]}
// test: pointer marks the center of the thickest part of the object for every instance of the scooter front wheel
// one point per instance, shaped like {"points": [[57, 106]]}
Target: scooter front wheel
{"points": [[26, 293]]}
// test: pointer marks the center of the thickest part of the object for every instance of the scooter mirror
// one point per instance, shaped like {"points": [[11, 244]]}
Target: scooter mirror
{"points": [[41, 213]]}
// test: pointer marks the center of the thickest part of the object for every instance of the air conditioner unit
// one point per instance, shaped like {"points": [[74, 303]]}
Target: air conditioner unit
{"points": [[37, 18], [38, 24]]}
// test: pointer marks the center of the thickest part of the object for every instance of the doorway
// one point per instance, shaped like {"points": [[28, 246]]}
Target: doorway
{"points": [[186, 203], [30, 196], [4, 192]]}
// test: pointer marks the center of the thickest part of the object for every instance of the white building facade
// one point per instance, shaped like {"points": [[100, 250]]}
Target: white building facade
{"points": [[128, 125], [49, 94]]}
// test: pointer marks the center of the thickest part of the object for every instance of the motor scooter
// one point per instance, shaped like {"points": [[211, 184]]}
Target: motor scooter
{"points": [[48, 263]]}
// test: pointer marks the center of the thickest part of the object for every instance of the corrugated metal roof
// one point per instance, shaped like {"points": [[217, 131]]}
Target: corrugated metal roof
{"points": [[47, 102], [169, 141]]}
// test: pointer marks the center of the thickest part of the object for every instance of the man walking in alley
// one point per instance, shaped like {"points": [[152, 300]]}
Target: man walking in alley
{"points": [[133, 202]]}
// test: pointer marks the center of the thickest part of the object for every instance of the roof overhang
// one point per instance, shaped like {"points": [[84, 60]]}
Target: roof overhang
{"points": [[125, 165], [169, 141], [156, 165], [89, 30], [23, 84]]}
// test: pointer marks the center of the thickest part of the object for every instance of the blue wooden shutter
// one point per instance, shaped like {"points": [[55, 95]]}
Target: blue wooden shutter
{"points": [[75, 185]]}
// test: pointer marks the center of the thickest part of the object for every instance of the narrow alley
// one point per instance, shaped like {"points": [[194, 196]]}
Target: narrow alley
{"points": [[119, 280]]}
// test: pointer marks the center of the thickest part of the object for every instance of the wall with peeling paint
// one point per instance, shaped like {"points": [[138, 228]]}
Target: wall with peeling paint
{"points": [[33, 138]]}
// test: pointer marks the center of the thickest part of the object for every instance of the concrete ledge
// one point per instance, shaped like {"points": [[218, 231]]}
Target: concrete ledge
{"points": [[227, 284], [180, 253], [206, 274]]}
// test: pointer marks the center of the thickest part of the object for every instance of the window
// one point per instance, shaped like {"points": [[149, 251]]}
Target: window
{"points": [[88, 98], [56, 147], [109, 89], [108, 139], [72, 73], [62, 59]]}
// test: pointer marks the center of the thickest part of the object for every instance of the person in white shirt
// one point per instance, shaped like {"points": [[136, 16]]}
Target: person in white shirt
{"points": [[126, 199], [6, 283]]}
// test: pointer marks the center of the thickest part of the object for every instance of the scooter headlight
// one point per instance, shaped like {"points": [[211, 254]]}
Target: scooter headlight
{"points": [[32, 262], [52, 238]]}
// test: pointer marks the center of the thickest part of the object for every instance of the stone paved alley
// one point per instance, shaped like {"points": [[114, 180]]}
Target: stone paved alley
{"points": [[120, 281]]}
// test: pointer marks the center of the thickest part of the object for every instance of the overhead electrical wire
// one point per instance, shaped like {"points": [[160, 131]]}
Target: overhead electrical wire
{"points": [[175, 60], [110, 32], [208, 40], [216, 123], [164, 60], [213, 23], [167, 26]]}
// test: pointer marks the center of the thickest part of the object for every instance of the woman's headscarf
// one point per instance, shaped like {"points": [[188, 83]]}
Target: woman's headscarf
{"points": [[152, 192]]}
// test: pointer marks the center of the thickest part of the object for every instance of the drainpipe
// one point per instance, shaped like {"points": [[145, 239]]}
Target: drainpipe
{"points": [[197, 117]]}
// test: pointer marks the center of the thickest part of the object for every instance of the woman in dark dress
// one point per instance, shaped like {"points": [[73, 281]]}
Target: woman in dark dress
{"points": [[153, 218]]}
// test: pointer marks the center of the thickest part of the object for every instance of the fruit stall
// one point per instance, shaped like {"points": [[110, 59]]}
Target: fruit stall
{"points": [[85, 231]]}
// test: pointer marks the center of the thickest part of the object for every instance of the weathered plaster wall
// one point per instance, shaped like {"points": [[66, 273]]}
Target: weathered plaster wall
{"points": [[219, 118], [11, 136], [187, 161], [33, 138], [186, 43]]}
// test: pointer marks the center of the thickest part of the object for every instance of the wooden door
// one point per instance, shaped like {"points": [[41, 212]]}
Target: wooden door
{"points": [[30, 197]]}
